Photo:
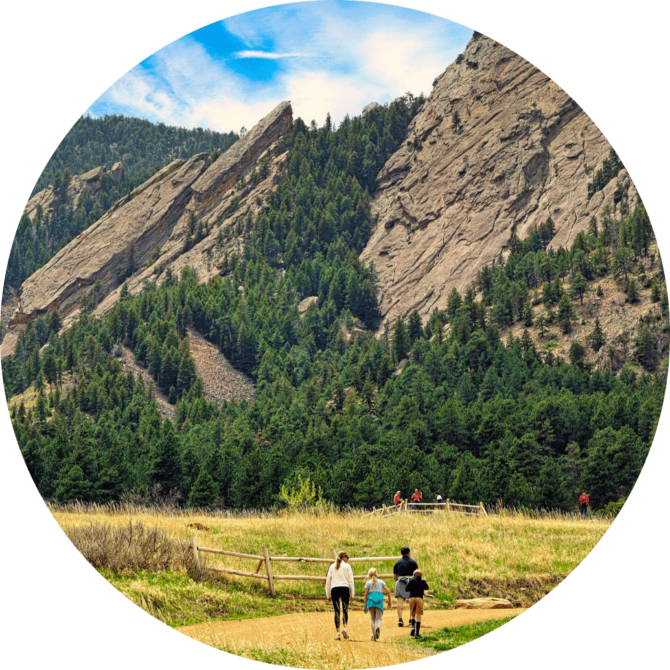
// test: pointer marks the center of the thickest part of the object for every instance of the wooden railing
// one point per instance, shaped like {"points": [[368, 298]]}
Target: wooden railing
{"points": [[267, 560], [448, 506]]}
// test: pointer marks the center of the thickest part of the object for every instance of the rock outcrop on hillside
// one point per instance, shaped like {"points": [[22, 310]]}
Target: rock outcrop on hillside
{"points": [[147, 230], [92, 180], [496, 149]]}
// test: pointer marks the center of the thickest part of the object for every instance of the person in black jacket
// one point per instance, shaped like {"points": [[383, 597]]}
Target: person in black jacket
{"points": [[416, 587], [402, 572]]}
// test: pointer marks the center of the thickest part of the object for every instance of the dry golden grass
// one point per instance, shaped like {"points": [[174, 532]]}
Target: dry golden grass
{"points": [[456, 552]]}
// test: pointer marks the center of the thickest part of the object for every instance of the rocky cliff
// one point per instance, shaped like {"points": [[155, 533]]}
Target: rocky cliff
{"points": [[497, 148], [147, 230], [91, 180]]}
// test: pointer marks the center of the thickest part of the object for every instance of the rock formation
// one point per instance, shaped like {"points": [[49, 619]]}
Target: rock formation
{"points": [[92, 180], [146, 230], [496, 149]]}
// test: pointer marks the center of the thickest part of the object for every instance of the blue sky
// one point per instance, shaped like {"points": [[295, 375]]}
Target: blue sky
{"points": [[326, 56]]}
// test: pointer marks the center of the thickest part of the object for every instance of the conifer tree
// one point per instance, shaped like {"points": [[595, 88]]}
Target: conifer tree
{"points": [[204, 491], [596, 337], [579, 287], [566, 313]]}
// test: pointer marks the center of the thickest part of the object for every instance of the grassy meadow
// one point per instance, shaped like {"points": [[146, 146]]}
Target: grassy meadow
{"points": [[511, 555]]}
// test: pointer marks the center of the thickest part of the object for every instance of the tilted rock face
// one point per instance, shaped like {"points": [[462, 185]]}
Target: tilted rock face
{"points": [[153, 221], [225, 171], [451, 197], [145, 218]]}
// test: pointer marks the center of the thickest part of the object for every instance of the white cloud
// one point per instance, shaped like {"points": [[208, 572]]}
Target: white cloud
{"points": [[269, 55], [324, 64]]}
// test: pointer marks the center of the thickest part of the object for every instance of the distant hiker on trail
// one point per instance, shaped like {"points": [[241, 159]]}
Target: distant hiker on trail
{"points": [[396, 498], [403, 570], [340, 590], [416, 587], [375, 589], [417, 496], [584, 504], [438, 498]]}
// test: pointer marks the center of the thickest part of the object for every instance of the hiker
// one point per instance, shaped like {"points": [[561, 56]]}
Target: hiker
{"points": [[340, 590], [438, 498], [403, 570], [396, 498], [584, 504], [416, 587], [375, 589], [417, 496]]}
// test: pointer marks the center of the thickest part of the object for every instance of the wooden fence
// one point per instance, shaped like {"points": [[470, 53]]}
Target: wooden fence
{"points": [[405, 506], [267, 560]]}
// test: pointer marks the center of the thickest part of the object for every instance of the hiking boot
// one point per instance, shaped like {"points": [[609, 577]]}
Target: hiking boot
{"points": [[417, 634], [378, 632], [400, 623], [345, 635], [373, 639], [337, 637], [418, 637]]}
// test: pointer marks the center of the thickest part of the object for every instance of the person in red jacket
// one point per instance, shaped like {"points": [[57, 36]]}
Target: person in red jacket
{"points": [[584, 504], [396, 498], [417, 496]]}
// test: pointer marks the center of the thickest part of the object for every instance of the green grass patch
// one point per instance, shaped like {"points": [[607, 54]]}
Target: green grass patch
{"points": [[175, 599], [456, 636]]}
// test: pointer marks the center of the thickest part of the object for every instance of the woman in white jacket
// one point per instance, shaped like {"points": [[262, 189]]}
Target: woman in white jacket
{"points": [[340, 590]]}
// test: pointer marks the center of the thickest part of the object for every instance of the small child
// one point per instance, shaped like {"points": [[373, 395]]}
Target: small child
{"points": [[375, 589], [416, 587]]}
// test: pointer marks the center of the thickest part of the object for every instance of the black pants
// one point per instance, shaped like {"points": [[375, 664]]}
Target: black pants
{"points": [[340, 596], [584, 509]]}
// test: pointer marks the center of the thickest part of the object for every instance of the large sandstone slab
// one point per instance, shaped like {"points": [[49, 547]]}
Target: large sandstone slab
{"points": [[144, 218], [228, 167], [450, 198], [153, 221]]}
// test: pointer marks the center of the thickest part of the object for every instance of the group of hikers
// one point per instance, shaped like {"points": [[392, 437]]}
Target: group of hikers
{"points": [[409, 585], [416, 497]]}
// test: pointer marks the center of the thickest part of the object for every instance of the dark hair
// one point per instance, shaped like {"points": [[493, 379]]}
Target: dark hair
{"points": [[342, 555], [405, 550]]}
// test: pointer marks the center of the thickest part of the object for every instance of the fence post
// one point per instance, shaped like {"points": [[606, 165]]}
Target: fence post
{"points": [[448, 510], [268, 569], [481, 507], [194, 546]]}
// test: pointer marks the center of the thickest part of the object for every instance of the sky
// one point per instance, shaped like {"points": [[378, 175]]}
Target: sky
{"points": [[328, 56]]}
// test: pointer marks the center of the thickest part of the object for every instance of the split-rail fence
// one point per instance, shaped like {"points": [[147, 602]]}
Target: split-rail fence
{"points": [[267, 561], [405, 506]]}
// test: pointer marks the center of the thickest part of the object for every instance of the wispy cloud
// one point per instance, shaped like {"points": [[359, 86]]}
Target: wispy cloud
{"points": [[323, 57], [269, 55]]}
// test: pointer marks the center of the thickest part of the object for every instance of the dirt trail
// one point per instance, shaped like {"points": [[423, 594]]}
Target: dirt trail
{"points": [[314, 634]]}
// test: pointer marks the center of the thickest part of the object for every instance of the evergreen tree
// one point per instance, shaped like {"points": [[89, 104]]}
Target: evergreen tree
{"points": [[400, 340], [566, 313], [166, 468], [596, 337], [204, 490], [579, 287]]}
